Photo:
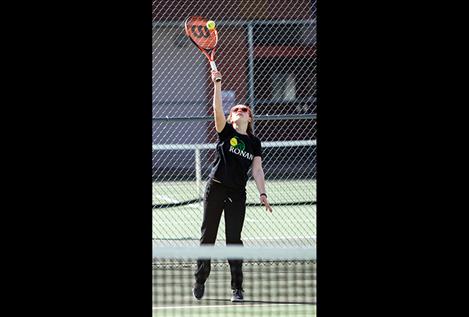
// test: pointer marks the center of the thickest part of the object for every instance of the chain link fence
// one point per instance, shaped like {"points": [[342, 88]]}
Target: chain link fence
{"points": [[267, 56]]}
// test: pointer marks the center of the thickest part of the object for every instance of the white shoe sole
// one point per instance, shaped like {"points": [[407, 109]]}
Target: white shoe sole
{"points": [[237, 300]]}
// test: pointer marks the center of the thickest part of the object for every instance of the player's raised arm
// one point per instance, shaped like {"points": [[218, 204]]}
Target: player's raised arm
{"points": [[218, 114]]}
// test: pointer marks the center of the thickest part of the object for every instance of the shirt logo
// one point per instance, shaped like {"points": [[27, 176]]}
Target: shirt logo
{"points": [[237, 143], [237, 147]]}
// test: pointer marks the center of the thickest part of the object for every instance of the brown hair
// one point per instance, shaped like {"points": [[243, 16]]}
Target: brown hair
{"points": [[249, 129]]}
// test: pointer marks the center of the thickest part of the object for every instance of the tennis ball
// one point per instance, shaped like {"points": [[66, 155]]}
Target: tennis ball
{"points": [[233, 142], [210, 25]]}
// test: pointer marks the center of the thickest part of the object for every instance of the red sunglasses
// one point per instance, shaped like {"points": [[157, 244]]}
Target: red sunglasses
{"points": [[243, 109]]}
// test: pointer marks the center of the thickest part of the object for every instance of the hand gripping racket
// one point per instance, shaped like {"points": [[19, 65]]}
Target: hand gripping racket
{"points": [[206, 40]]}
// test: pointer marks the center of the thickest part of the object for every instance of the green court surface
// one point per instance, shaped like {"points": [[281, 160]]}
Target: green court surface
{"points": [[238, 310], [286, 225], [271, 289], [268, 290], [279, 191]]}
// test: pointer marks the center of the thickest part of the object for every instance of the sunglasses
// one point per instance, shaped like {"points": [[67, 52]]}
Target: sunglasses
{"points": [[243, 109]]}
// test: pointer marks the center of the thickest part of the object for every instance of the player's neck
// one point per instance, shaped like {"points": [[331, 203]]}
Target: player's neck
{"points": [[241, 128]]}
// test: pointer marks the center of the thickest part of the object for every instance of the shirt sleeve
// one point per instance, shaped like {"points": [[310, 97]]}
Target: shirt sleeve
{"points": [[227, 131], [257, 147]]}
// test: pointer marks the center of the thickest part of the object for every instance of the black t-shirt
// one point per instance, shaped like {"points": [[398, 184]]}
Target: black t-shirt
{"points": [[235, 153]]}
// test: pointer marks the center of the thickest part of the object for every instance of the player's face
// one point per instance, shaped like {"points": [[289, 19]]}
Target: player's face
{"points": [[240, 112]]}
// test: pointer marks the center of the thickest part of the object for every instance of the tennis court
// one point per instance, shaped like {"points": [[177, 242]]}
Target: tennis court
{"points": [[238, 310], [277, 288], [266, 53], [283, 285], [292, 222]]}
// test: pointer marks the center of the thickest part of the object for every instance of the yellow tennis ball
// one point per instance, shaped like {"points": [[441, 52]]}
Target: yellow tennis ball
{"points": [[210, 25], [234, 142]]}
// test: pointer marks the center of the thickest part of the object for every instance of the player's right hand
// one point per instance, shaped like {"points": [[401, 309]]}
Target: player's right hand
{"points": [[215, 74]]}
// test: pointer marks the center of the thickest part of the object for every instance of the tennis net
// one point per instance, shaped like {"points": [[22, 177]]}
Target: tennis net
{"points": [[277, 281]]}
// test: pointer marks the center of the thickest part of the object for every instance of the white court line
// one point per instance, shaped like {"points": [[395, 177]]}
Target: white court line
{"points": [[176, 222], [218, 306], [281, 237], [166, 198], [273, 238], [170, 200], [283, 220], [248, 219]]}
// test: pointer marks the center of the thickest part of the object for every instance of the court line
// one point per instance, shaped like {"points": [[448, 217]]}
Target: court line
{"points": [[167, 199], [283, 220], [173, 201], [218, 306], [175, 222], [254, 238]]}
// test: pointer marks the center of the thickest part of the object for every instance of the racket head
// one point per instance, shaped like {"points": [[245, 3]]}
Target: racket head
{"points": [[196, 29]]}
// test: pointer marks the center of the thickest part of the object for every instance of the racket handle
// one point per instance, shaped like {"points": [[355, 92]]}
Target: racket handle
{"points": [[214, 68]]}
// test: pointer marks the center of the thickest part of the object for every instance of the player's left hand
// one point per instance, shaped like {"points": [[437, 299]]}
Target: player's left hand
{"points": [[266, 203]]}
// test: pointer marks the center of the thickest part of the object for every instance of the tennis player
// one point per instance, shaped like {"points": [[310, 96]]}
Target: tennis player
{"points": [[237, 150]]}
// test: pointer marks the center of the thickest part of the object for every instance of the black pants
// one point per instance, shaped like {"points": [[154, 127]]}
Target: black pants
{"points": [[218, 198]]}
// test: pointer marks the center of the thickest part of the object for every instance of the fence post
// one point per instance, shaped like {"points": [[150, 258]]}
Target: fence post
{"points": [[251, 67], [198, 172]]}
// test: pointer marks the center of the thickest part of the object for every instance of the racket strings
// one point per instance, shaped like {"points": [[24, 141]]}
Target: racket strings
{"points": [[196, 29]]}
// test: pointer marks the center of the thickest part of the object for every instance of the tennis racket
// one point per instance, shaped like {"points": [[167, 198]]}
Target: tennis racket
{"points": [[206, 40]]}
